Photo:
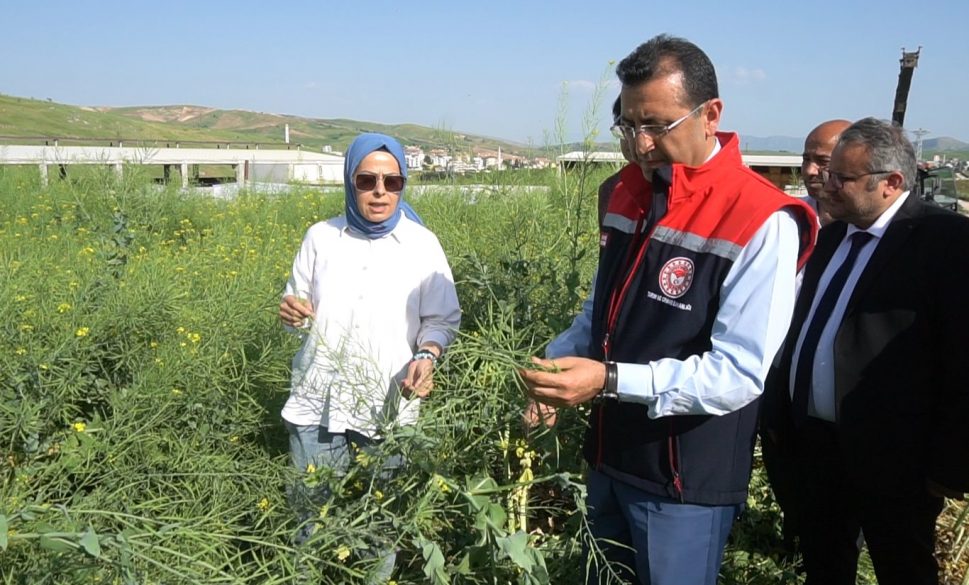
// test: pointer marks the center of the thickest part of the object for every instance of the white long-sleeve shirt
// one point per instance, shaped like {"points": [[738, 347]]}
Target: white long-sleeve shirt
{"points": [[376, 301], [756, 305]]}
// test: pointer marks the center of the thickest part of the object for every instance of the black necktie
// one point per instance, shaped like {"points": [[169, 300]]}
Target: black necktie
{"points": [[805, 360]]}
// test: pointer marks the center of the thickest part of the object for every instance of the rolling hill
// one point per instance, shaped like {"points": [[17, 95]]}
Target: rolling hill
{"points": [[29, 120]]}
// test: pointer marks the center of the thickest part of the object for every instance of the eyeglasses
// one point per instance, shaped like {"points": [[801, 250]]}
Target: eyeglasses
{"points": [[654, 131], [839, 180], [368, 182]]}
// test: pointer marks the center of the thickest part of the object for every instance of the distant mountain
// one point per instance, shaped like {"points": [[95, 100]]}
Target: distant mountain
{"points": [[944, 144], [24, 118]]}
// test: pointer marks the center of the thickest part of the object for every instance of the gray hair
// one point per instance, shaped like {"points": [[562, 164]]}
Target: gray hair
{"points": [[887, 147]]}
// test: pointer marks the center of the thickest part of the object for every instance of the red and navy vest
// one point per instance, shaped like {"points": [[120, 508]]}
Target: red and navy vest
{"points": [[665, 250]]}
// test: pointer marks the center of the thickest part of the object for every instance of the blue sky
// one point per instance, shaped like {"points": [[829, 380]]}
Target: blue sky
{"points": [[496, 68]]}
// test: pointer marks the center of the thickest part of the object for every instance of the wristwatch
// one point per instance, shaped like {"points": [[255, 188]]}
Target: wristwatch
{"points": [[424, 354], [611, 389]]}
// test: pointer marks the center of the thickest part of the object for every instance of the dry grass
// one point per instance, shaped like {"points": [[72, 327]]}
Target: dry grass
{"points": [[952, 545]]}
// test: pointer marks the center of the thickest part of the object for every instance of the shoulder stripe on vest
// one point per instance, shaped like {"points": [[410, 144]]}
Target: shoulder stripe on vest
{"points": [[619, 222], [693, 242]]}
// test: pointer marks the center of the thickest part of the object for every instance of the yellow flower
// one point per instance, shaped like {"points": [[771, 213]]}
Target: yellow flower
{"points": [[194, 337], [79, 426], [63, 307], [310, 468], [20, 351], [153, 344], [176, 391], [234, 439], [378, 495], [82, 331], [264, 504], [26, 327], [441, 484], [342, 552], [20, 298]]}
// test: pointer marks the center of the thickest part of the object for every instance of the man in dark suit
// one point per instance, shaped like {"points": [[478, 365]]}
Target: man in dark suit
{"points": [[870, 401]]}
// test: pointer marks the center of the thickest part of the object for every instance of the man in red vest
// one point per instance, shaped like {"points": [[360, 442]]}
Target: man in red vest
{"points": [[694, 294]]}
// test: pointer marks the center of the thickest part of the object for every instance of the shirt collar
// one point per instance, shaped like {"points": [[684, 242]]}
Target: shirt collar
{"points": [[878, 228], [395, 234], [716, 149]]}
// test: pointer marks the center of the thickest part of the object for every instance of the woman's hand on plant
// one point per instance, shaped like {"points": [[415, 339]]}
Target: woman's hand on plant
{"points": [[567, 381], [420, 378], [294, 311]]}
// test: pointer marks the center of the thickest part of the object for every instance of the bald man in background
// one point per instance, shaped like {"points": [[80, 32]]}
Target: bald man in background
{"points": [[817, 154]]}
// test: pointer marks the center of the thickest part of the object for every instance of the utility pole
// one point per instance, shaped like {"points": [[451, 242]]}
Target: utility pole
{"points": [[918, 142]]}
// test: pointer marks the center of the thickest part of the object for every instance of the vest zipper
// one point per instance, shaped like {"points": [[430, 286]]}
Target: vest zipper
{"points": [[652, 216], [674, 453], [615, 302]]}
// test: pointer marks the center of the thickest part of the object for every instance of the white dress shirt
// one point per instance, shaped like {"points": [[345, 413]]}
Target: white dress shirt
{"points": [[821, 403], [376, 301]]}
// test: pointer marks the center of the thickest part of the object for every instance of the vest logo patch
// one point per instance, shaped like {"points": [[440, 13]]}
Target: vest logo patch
{"points": [[676, 276], [603, 239]]}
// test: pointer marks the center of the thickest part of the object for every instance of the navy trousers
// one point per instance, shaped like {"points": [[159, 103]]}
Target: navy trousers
{"points": [[651, 539]]}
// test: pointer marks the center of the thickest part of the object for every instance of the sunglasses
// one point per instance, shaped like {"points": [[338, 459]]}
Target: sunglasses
{"points": [[368, 182]]}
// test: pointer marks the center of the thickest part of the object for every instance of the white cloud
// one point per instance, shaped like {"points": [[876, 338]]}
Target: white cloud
{"points": [[744, 75]]}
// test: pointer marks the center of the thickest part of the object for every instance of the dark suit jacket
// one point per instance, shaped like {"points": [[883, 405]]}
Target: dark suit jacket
{"points": [[901, 356]]}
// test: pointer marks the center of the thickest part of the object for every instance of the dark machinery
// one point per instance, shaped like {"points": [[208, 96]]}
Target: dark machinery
{"points": [[909, 62], [934, 185]]}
